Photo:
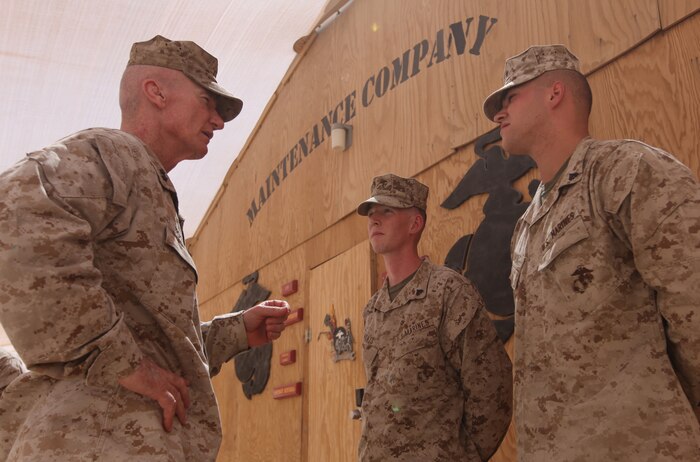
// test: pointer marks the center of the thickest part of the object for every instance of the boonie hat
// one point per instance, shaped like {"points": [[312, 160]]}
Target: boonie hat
{"points": [[527, 66], [193, 61], [395, 191]]}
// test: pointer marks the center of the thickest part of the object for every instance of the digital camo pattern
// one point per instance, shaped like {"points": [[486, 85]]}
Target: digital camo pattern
{"points": [[395, 191], [193, 61], [11, 367], [94, 275], [439, 380], [527, 66], [606, 271]]}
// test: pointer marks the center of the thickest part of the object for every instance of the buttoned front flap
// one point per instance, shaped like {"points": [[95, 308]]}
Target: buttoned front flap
{"points": [[173, 238], [415, 359], [562, 235], [518, 254], [369, 358]]}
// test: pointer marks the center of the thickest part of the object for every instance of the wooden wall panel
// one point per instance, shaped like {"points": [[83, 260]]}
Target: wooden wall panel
{"points": [[226, 386], [673, 11], [344, 283], [348, 232], [408, 129], [653, 93], [264, 429]]}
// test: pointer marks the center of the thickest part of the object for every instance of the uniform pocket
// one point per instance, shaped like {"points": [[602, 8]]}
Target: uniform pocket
{"points": [[416, 360], [413, 343], [574, 232]]}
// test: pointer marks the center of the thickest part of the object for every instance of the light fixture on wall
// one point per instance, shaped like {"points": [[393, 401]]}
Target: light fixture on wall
{"points": [[341, 136]]}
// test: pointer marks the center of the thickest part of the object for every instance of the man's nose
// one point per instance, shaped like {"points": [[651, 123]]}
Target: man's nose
{"points": [[216, 120], [500, 115]]}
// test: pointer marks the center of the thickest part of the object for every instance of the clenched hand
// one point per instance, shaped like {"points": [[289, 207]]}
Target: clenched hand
{"points": [[265, 322]]}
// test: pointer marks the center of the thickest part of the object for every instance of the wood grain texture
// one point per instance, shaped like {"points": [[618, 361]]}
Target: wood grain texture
{"points": [[264, 429], [408, 129], [652, 94], [673, 11], [343, 283]]}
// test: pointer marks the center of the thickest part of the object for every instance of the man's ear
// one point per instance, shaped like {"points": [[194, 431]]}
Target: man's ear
{"points": [[154, 92], [417, 223], [555, 94]]}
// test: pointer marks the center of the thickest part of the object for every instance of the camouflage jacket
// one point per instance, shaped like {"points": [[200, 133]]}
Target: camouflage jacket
{"points": [[94, 274], [606, 270], [439, 380]]}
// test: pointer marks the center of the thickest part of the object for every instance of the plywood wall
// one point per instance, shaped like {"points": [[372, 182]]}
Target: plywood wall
{"points": [[672, 11], [341, 286], [411, 127], [643, 62]]}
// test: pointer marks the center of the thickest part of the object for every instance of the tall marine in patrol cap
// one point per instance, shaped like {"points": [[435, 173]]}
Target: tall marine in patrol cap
{"points": [[439, 384], [606, 270], [97, 289]]}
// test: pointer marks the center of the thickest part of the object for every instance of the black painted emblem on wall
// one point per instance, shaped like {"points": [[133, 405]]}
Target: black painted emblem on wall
{"points": [[253, 366], [484, 257]]}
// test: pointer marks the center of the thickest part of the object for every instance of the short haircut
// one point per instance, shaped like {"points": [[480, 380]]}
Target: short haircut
{"points": [[577, 85]]}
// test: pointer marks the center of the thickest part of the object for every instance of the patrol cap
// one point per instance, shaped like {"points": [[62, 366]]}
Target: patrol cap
{"points": [[395, 191], [190, 59], [527, 66]]}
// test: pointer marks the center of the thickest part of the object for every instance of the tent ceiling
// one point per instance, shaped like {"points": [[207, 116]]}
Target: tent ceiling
{"points": [[61, 61]]}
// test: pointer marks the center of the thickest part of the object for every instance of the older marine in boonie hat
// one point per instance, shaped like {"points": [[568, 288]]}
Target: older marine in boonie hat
{"points": [[395, 191], [193, 61], [527, 66]]}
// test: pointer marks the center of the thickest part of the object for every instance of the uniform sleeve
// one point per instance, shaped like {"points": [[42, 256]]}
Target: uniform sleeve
{"points": [[52, 304], [477, 354], [224, 337], [659, 214]]}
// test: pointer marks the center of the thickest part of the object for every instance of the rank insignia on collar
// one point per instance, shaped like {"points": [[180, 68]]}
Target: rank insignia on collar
{"points": [[340, 337]]}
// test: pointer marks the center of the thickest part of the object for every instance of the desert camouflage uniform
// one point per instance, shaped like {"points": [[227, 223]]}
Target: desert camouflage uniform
{"points": [[94, 275], [606, 271], [439, 380], [11, 367]]}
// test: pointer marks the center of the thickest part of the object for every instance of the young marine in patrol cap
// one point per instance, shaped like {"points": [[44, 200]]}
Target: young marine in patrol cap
{"points": [[439, 380], [99, 289], [606, 270]]}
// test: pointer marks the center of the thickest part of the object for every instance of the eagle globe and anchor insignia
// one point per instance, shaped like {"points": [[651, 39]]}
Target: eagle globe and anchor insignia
{"points": [[484, 257], [253, 366]]}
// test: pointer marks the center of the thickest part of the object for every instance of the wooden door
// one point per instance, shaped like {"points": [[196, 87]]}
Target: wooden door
{"points": [[342, 284]]}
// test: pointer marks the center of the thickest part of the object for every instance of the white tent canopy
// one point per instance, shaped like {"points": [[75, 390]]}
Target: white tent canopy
{"points": [[61, 61]]}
